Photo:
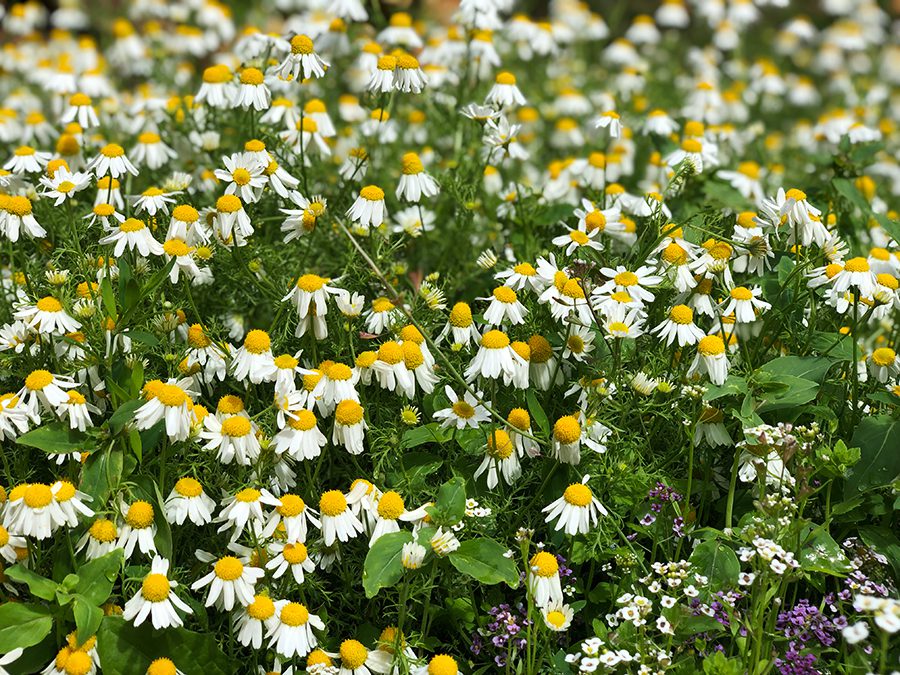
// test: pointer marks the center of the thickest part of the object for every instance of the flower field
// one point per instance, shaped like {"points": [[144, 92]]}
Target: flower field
{"points": [[352, 338]]}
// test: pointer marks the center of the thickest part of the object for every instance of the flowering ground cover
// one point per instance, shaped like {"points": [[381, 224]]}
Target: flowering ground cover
{"points": [[342, 339]]}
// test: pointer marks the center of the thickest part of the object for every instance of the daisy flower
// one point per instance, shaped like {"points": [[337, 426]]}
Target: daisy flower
{"points": [[169, 402], [710, 360], [14, 416], [415, 182], [252, 91], [163, 666], [634, 283], [884, 364], [101, 538], [522, 276], [442, 664], [389, 509], [132, 234], [64, 184], [71, 502], [409, 77], [301, 60], [855, 274], [338, 521], [231, 221], [544, 582], [576, 511], [294, 515], [744, 303], [460, 326], [557, 617], [48, 316], [495, 357], [369, 209], [16, 217], [151, 152], [391, 371], [26, 159], [156, 599], [230, 582], [680, 327], [254, 359], [111, 160], [505, 93], [290, 555], [153, 201], [244, 177], [504, 307], [382, 79], [45, 390], [292, 634], [464, 412], [187, 500], [620, 323], [300, 438], [579, 343], [610, 121], [81, 110], [139, 528], [216, 89], [501, 458], [244, 509], [309, 295], [355, 658], [34, 512], [234, 439], [252, 619], [349, 426]]}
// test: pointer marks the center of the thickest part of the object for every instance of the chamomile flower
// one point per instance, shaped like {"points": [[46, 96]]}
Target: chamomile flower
{"points": [[338, 521], [442, 664], [349, 426], [17, 217], [132, 234], [679, 327], [156, 600], [43, 389], [501, 458], [230, 582], [302, 60], [415, 182], [300, 438], [34, 512], [544, 582], [464, 412], [254, 360], [310, 297], [495, 357], [169, 402], [293, 514], [188, 500], [8, 545], [292, 635], [710, 360], [112, 161], [557, 617], [504, 307], [139, 528], [856, 275], [26, 159], [78, 411], [884, 364], [369, 209], [293, 556], [232, 224], [576, 511], [252, 91], [47, 316], [151, 151], [252, 619], [64, 184], [243, 176], [745, 303], [460, 326], [233, 439], [101, 538], [505, 93], [389, 509]]}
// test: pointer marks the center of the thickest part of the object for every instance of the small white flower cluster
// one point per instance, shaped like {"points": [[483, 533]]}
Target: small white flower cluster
{"points": [[884, 611], [772, 554], [594, 655]]}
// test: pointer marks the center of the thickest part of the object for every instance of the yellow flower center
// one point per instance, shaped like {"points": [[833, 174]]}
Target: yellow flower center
{"points": [[252, 76], [681, 314], [103, 530], [228, 204], [541, 351], [132, 225], [567, 430], [140, 515], [411, 164], [572, 289], [674, 254], [38, 379], [49, 304], [78, 663], [316, 658], [301, 44], [692, 146], [185, 213], [372, 193], [38, 495], [463, 410], [387, 62], [229, 568], [795, 194], [257, 342], [149, 138], [499, 445], [65, 491], [519, 418], [4, 536], [304, 420], [575, 344], [556, 618], [236, 426], [391, 506], [311, 282], [291, 506], [155, 587], [294, 614], [578, 494], [240, 176], [171, 395], [112, 150], [390, 352], [579, 237], [261, 608], [857, 265], [188, 487], [217, 74], [884, 357], [461, 315], [65, 187], [348, 413], [741, 293], [353, 654], [294, 554], [711, 345], [333, 503], [247, 495], [412, 355], [442, 664], [495, 339], [230, 405]]}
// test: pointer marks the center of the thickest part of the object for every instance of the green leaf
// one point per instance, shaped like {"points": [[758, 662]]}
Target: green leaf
{"points": [[820, 553], [143, 337], [429, 433], [808, 367], [126, 650], [382, 568], [416, 466], [23, 625], [878, 439], [735, 385], [102, 473], [87, 617], [832, 345], [884, 542], [109, 300], [550, 214], [56, 438], [124, 414], [40, 587], [450, 506], [537, 412], [790, 392], [484, 560], [97, 577], [717, 562]]}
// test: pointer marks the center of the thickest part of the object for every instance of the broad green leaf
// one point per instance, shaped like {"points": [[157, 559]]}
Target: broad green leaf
{"points": [[808, 367], [832, 345], [537, 412], [884, 542], [23, 625], [87, 617], [735, 385], [416, 466], [718, 562], [429, 433], [820, 553], [484, 560], [790, 393], [383, 567], [126, 650], [124, 414], [56, 438], [450, 506], [102, 473], [97, 577], [109, 300], [878, 439], [39, 586]]}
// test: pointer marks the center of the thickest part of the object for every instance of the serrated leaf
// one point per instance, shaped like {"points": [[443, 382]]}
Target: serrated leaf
{"points": [[383, 567], [483, 559]]}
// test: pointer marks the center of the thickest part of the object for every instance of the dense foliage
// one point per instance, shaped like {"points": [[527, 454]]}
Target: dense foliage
{"points": [[343, 340]]}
